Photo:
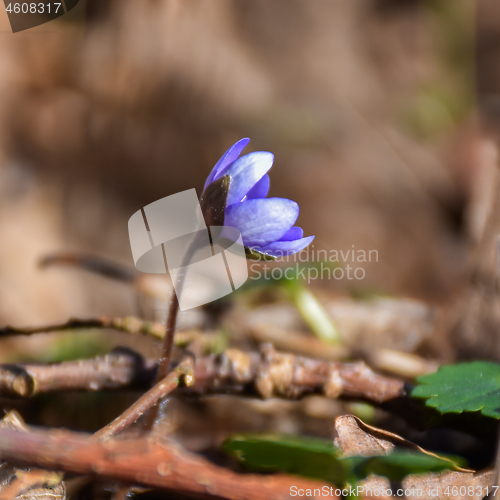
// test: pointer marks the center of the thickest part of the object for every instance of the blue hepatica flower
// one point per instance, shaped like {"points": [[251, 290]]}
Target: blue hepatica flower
{"points": [[266, 224]]}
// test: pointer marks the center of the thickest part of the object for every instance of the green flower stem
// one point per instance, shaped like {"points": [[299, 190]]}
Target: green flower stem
{"points": [[313, 312]]}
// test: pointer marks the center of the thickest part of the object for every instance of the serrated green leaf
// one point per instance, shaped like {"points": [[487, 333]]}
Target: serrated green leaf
{"points": [[462, 387], [319, 459]]}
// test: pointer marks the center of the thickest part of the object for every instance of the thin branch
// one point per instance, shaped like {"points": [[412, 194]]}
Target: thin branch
{"points": [[92, 263], [146, 462], [71, 324], [275, 374], [266, 374], [148, 400], [171, 323], [127, 324], [149, 403], [120, 368], [166, 355], [168, 338]]}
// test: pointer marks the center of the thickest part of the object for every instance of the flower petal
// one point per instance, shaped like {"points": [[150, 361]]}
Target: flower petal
{"points": [[282, 248], [245, 172], [260, 189], [227, 158], [293, 234], [262, 221]]}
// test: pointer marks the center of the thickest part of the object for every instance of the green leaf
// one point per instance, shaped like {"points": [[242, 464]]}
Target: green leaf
{"points": [[319, 459], [399, 464], [462, 387], [302, 456], [313, 313]]}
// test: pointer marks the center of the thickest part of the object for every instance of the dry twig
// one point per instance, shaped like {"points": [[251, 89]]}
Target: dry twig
{"points": [[28, 484], [146, 462], [92, 263], [208, 341], [120, 368], [274, 374], [266, 374], [148, 400]]}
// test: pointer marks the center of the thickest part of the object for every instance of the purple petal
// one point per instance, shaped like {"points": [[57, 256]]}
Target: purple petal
{"points": [[245, 172], [262, 221], [226, 159], [293, 234], [281, 248], [260, 189]]}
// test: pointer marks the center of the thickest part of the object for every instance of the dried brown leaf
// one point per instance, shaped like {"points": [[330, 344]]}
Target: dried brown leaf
{"points": [[356, 438]]}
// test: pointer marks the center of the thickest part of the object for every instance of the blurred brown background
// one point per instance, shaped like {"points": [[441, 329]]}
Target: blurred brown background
{"points": [[381, 115]]}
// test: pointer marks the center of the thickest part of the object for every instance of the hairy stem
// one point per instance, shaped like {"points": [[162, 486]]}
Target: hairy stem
{"points": [[168, 339], [166, 356]]}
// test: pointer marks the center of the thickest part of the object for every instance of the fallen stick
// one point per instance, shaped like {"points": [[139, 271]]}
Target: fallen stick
{"points": [[266, 374], [148, 400], [146, 462]]}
